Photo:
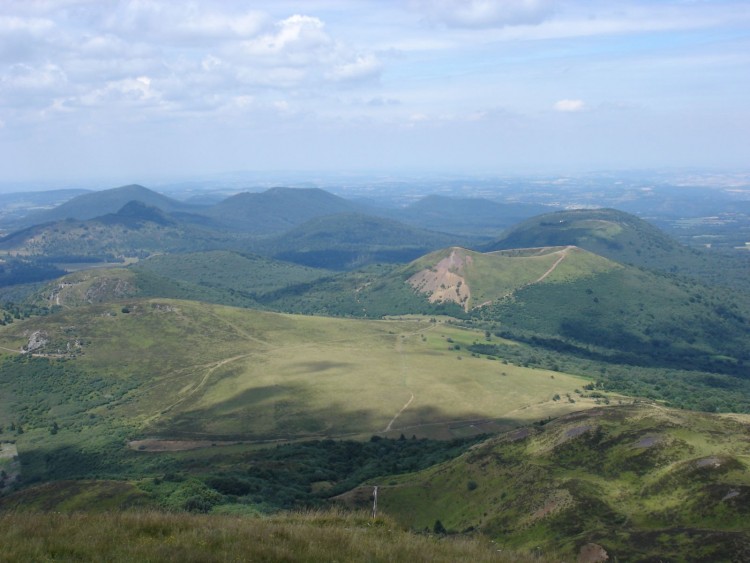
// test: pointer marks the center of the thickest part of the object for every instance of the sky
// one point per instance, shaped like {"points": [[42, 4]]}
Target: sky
{"points": [[132, 90]]}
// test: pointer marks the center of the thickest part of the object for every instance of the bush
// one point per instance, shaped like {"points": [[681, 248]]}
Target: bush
{"points": [[193, 496]]}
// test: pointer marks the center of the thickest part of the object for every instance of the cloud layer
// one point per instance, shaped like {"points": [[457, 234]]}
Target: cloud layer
{"points": [[484, 13], [105, 86]]}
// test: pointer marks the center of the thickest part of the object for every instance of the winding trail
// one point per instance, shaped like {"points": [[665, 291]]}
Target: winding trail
{"points": [[563, 254], [400, 350], [390, 424], [197, 387]]}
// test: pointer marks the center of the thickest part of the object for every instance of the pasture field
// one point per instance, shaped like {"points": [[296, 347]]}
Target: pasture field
{"points": [[186, 370]]}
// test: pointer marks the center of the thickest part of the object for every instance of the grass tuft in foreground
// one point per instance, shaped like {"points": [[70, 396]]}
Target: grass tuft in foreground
{"points": [[154, 536]]}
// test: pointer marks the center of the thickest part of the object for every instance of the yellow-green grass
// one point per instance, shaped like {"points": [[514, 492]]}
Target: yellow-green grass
{"points": [[610, 475], [199, 371], [495, 275], [338, 378], [154, 536]]}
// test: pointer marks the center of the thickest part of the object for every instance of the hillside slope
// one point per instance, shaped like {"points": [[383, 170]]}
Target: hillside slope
{"points": [[105, 374], [348, 240], [642, 482], [316, 537], [627, 239], [474, 279], [230, 272], [615, 234], [466, 216], [134, 230], [687, 340], [278, 209], [95, 204]]}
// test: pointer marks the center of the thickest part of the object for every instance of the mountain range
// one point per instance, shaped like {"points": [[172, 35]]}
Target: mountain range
{"points": [[493, 374]]}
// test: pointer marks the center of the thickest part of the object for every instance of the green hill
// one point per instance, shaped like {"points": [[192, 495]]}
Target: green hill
{"points": [[96, 204], [641, 482], [474, 279], [636, 331], [453, 281], [278, 209], [466, 216], [634, 317], [105, 374], [617, 235], [218, 276], [16, 205], [135, 230], [565, 297], [350, 240], [625, 238], [107, 285], [228, 272]]}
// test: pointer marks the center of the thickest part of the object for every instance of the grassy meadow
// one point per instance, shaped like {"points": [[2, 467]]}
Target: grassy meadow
{"points": [[189, 370]]}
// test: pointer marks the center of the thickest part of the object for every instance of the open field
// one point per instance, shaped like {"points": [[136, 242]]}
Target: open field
{"points": [[185, 370]]}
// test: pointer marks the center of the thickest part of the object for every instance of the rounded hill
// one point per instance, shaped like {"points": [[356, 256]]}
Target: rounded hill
{"points": [[611, 233], [474, 279]]}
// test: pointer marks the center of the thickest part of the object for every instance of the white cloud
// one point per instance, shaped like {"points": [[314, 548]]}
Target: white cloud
{"points": [[484, 13], [219, 26], [25, 77], [363, 67], [199, 57], [569, 105], [33, 26], [129, 91], [233, 68], [181, 22], [296, 40], [300, 52]]}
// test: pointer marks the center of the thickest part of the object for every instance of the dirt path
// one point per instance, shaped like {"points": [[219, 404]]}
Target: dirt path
{"points": [[390, 424], [400, 350], [239, 330], [197, 387], [563, 254], [211, 368]]}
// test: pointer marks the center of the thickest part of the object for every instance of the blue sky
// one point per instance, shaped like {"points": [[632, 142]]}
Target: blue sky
{"points": [[132, 90]]}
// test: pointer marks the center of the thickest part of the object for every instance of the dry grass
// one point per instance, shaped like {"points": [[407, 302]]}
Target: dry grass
{"points": [[152, 536]]}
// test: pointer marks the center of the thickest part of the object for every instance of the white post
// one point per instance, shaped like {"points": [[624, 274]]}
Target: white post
{"points": [[375, 503]]}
